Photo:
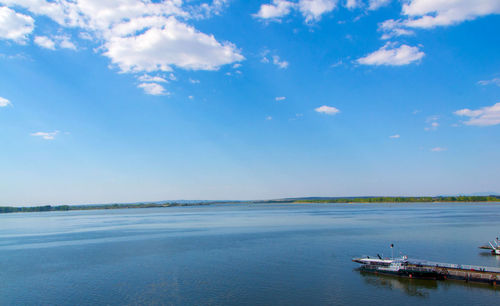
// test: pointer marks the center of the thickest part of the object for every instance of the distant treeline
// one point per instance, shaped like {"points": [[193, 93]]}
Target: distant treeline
{"points": [[492, 198], [402, 199], [9, 209]]}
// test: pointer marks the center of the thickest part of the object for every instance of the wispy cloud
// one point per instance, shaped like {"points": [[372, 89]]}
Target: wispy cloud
{"points": [[268, 57], [269, 118], [438, 149], [376, 4], [4, 102], [390, 55], [280, 98], [396, 136], [328, 110], [280, 63], [494, 81], [46, 135], [485, 116], [149, 78], [432, 123], [193, 81]]}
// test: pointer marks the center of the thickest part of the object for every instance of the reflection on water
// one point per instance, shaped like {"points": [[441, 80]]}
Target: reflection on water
{"points": [[411, 287], [419, 287]]}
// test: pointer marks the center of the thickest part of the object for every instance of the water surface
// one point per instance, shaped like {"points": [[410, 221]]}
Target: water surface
{"points": [[289, 254]]}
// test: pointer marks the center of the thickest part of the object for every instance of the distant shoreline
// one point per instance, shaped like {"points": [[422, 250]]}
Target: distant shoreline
{"points": [[342, 200]]}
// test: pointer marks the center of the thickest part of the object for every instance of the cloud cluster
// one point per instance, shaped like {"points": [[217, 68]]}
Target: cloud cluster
{"points": [[391, 55], [485, 116], [137, 36], [311, 10]]}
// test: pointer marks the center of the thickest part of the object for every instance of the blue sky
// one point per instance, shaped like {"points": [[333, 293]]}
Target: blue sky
{"points": [[154, 100]]}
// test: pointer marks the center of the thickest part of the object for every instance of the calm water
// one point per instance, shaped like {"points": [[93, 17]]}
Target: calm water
{"points": [[240, 254]]}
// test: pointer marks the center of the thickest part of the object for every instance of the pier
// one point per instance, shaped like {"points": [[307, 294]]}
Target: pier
{"points": [[423, 269], [466, 273]]}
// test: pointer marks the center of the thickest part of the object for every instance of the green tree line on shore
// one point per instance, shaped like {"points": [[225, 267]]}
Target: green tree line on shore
{"points": [[403, 199], [45, 208], [10, 209]]}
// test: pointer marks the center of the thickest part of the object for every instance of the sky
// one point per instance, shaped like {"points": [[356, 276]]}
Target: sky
{"points": [[149, 100]]}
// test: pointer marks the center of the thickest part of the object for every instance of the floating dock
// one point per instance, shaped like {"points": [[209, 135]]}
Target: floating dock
{"points": [[403, 267]]}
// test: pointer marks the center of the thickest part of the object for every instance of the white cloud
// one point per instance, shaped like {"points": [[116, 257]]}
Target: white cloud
{"points": [[193, 81], [206, 10], [4, 102], [311, 10], [396, 136], [485, 116], [153, 89], [280, 63], [149, 78], [45, 42], [427, 14], [280, 98], [376, 4], [276, 10], [495, 81], [389, 55], [432, 13], [438, 149], [63, 41], [45, 135], [136, 35], [15, 26], [329, 110], [392, 28], [352, 4], [237, 65], [269, 118], [190, 97], [176, 44]]}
